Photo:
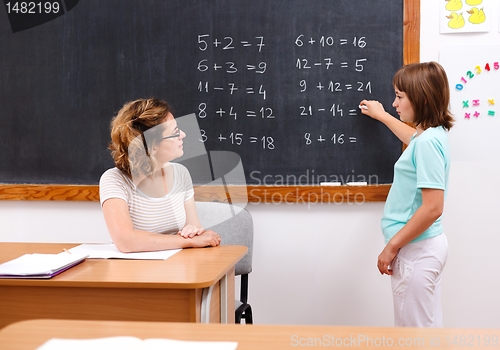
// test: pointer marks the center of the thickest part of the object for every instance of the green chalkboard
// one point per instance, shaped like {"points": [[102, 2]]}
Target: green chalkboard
{"points": [[277, 82]]}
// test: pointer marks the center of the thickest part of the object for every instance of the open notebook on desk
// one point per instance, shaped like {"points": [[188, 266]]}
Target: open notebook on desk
{"points": [[40, 265], [109, 251]]}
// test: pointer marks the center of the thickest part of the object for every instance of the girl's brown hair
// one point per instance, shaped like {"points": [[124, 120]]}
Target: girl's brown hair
{"points": [[129, 147], [426, 86]]}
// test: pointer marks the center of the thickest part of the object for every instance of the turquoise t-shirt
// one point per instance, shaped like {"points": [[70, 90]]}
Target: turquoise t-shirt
{"points": [[425, 163]]}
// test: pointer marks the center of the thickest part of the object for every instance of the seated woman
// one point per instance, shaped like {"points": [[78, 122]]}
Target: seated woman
{"points": [[147, 201]]}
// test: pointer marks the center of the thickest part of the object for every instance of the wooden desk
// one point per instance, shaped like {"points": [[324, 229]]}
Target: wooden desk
{"points": [[194, 285], [31, 334]]}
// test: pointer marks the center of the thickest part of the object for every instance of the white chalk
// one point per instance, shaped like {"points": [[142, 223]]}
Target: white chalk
{"points": [[363, 107], [361, 183], [330, 183]]}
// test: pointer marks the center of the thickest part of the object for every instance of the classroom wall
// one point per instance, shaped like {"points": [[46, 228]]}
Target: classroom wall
{"points": [[316, 264]]}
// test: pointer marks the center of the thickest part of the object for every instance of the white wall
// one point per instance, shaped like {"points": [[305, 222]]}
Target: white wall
{"points": [[317, 264]]}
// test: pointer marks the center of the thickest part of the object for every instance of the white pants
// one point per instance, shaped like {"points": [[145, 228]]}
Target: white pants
{"points": [[416, 283]]}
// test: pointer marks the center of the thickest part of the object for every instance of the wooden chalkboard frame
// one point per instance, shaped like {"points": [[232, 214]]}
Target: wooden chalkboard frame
{"points": [[254, 194]]}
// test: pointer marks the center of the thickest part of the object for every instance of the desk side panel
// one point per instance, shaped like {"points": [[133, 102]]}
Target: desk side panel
{"points": [[167, 305]]}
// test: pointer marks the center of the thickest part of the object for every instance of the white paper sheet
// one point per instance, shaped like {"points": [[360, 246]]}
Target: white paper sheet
{"points": [[133, 343], [109, 251]]}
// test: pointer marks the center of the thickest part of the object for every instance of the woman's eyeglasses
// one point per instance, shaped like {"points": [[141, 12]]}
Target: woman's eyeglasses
{"points": [[177, 134], [141, 129]]}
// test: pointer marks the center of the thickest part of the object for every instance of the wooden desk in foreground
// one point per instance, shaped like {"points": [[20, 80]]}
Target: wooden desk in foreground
{"points": [[31, 334], [194, 285]]}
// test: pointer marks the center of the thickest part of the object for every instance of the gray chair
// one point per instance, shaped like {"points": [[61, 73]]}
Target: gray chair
{"points": [[235, 226]]}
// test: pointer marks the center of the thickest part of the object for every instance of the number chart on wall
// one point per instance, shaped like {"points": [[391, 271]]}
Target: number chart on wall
{"points": [[473, 73], [276, 81]]}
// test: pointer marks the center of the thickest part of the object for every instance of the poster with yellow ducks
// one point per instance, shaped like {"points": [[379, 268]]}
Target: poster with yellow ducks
{"points": [[465, 16]]}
